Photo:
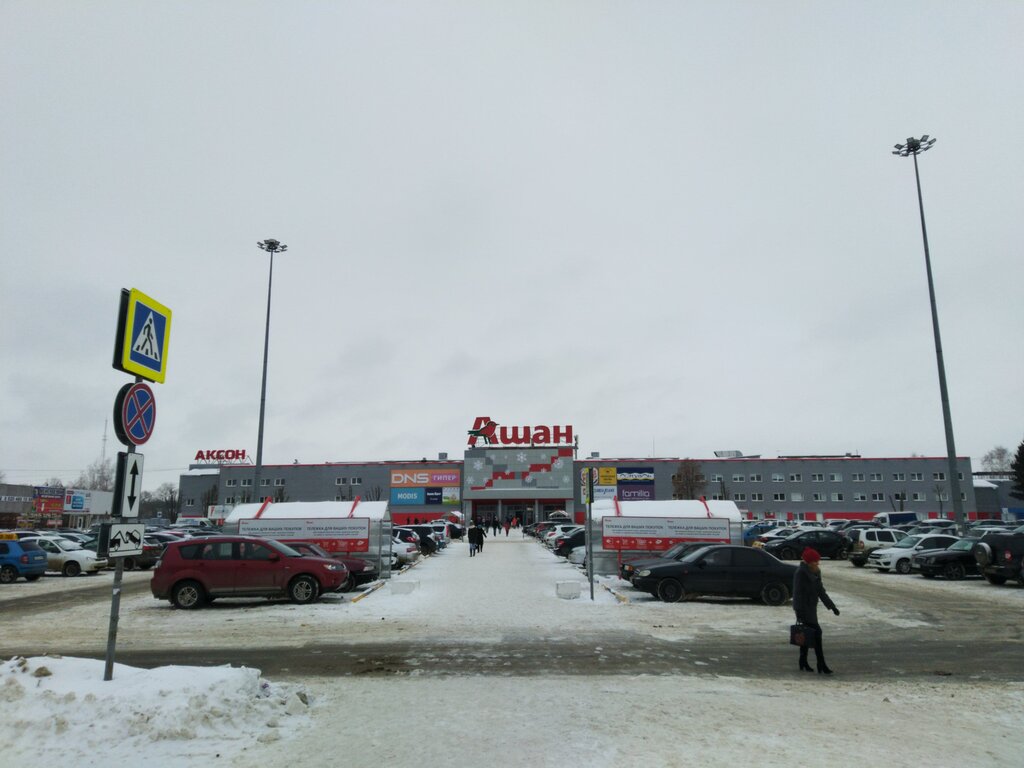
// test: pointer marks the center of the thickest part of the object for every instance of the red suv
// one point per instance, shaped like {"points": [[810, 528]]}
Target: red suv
{"points": [[193, 572]]}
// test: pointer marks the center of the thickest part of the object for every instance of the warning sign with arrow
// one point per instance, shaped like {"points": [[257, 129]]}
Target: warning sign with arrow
{"points": [[128, 485]]}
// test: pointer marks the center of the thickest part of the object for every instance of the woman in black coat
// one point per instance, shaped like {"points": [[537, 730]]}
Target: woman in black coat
{"points": [[807, 590]]}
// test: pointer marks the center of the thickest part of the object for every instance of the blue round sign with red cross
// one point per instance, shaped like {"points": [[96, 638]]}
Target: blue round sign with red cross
{"points": [[134, 414]]}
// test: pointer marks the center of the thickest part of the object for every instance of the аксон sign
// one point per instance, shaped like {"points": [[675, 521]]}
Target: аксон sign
{"points": [[220, 456], [487, 429]]}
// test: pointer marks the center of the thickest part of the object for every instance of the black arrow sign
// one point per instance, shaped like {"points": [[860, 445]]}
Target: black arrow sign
{"points": [[131, 493]]}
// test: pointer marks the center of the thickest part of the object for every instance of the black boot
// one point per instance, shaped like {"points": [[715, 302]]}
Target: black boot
{"points": [[804, 666], [823, 668]]}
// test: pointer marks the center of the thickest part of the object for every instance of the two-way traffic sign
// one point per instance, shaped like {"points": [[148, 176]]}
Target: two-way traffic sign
{"points": [[128, 485]]}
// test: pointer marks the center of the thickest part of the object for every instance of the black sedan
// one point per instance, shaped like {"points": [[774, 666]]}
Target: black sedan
{"points": [[954, 562], [676, 552], [360, 571], [720, 570], [827, 543]]}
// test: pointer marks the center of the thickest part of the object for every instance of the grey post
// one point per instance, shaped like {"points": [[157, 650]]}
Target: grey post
{"points": [[271, 246]]}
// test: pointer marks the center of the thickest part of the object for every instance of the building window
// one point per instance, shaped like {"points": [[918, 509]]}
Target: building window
{"points": [[190, 502], [918, 497], [737, 478], [246, 482], [357, 481], [778, 477], [340, 480], [716, 497], [278, 481], [757, 497], [755, 478], [796, 478], [819, 497], [716, 478], [796, 497], [938, 476], [878, 497], [943, 496], [858, 477], [900, 495], [264, 481], [229, 500], [899, 477], [837, 497], [739, 497], [817, 477], [778, 497], [963, 496], [916, 476], [231, 483], [860, 496], [835, 477], [876, 477], [960, 475]]}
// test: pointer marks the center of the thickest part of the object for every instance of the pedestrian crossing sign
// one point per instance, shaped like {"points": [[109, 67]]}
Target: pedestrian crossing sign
{"points": [[143, 336]]}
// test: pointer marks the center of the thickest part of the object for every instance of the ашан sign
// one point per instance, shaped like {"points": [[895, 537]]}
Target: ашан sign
{"points": [[492, 433]]}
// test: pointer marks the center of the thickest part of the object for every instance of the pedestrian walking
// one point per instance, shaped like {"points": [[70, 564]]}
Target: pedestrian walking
{"points": [[483, 535], [507, 526], [807, 591], [475, 536]]}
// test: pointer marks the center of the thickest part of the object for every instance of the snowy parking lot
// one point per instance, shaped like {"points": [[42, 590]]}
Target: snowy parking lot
{"points": [[725, 710]]}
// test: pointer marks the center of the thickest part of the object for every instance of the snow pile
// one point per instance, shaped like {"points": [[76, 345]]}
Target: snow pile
{"points": [[54, 702]]}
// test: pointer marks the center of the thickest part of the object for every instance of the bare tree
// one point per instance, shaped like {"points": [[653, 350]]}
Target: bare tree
{"points": [[688, 482], [997, 460], [1017, 467], [52, 482], [940, 495], [98, 476], [167, 497], [373, 494]]}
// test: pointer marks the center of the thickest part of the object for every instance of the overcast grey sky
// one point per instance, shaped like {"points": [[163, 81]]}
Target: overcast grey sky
{"points": [[676, 226]]}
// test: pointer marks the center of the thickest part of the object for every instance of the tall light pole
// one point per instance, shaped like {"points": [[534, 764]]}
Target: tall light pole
{"points": [[271, 246], [913, 148]]}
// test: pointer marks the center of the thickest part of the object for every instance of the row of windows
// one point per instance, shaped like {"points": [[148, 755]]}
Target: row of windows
{"points": [[246, 482], [834, 477], [820, 497]]}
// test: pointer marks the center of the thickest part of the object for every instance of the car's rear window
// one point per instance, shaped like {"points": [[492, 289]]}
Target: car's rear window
{"points": [[30, 546]]}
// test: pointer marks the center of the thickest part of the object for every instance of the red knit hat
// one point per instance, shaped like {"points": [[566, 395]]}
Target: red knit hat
{"points": [[811, 555]]}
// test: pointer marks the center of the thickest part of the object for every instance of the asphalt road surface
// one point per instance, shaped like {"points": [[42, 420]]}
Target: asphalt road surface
{"points": [[960, 640]]}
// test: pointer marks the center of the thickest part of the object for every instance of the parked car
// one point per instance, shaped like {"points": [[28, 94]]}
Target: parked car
{"points": [[430, 533], [360, 571], [151, 551], [719, 569], [754, 529], [68, 557], [897, 557], [775, 533], [954, 562], [676, 552], [578, 556], [20, 558], [863, 541], [406, 551], [564, 543], [193, 572], [1000, 556], [828, 543]]}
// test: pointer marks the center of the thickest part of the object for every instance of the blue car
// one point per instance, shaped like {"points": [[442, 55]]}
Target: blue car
{"points": [[751, 533], [20, 558]]}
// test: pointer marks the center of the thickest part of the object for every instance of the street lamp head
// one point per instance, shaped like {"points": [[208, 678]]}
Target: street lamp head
{"points": [[270, 245], [914, 146]]}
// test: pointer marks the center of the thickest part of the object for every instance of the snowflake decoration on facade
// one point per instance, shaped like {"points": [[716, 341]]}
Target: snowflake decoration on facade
{"points": [[528, 479], [559, 463], [521, 457], [566, 479], [478, 465], [471, 480]]}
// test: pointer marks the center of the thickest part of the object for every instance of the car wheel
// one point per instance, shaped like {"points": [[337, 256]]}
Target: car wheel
{"points": [[670, 591], [928, 575], [954, 572], [857, 563], [71, 568], [787, 554], [903, 566], [774, 594], [129, 563], [841, 554], [188, 595], [303, 589], [994, 579], [8, 574]]}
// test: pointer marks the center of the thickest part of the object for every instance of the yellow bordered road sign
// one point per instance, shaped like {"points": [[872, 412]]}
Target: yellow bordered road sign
{"points": [[143, 336]]}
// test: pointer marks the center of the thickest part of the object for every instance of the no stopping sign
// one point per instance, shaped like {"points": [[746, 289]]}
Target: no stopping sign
{"points": [[134, 414]]}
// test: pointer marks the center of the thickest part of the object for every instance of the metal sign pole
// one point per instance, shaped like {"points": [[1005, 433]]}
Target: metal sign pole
{"points": [[115, 600], [590, 528]]}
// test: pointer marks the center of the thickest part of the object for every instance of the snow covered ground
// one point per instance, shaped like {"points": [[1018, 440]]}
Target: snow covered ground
{"points": [[185, 716]]}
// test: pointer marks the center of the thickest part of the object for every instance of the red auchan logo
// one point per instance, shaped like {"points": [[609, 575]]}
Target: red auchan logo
{"points": [[486, 428], [231, 454]]}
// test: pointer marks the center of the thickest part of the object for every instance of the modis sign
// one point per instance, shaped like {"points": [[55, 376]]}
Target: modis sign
{"points": [[233, 455], [421, 478], [492, 433]]}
